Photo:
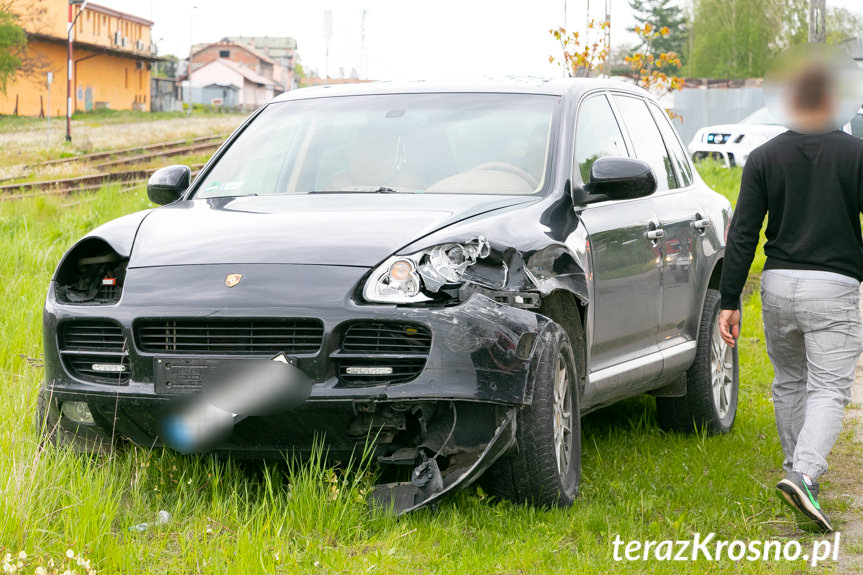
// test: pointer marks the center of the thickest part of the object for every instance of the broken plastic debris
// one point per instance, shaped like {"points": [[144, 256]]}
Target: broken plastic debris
{"points": [[162, 518], [447, 263]]}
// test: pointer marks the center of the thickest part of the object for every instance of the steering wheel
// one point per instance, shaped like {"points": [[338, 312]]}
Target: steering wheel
{"points": [[509, 169]]}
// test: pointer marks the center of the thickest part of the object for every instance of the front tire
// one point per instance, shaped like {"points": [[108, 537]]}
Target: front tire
{"points": [[712, 382], [546, 469]]}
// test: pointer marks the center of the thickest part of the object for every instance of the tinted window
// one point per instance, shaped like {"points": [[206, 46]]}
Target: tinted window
{"points": [[646, 140], [597, 134], [672, 144]]}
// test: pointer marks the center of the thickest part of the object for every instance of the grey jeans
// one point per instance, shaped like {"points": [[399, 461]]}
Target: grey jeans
{"points": [[813, 333]]}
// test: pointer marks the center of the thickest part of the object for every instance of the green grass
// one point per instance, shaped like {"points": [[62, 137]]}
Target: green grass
{"points": [[9, 123], [228, 518]]}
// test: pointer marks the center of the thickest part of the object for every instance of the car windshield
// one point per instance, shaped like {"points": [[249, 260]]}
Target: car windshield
{"points": [[763, 117], [451, 143]]}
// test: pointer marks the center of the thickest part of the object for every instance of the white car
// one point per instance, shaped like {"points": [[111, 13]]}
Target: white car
{"points": [[732, 143]]}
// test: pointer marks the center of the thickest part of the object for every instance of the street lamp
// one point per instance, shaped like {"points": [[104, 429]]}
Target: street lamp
{"points": [[71, 26]]}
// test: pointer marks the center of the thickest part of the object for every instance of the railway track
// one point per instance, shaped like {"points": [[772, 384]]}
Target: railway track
{"points": [[90, 183], [107, 163]]}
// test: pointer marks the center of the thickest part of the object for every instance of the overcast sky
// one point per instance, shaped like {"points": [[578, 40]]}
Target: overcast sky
{"points": [[404, 39]]}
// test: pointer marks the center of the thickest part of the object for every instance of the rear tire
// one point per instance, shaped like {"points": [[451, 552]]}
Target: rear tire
{"points": [[546, 468], [712, 382]]}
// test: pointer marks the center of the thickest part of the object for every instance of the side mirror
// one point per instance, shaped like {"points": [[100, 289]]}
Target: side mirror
{"points": [[167, 184], [613, 178]]}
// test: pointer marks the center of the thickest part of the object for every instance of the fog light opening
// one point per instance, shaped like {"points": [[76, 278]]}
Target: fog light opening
{"points": [[78, 411], [369, 370]]}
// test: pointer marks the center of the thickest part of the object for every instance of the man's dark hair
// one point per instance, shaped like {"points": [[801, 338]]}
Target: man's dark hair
{"points": [[810, 89]]}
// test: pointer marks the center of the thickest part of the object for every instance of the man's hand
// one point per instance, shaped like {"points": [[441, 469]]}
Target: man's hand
{"points": [[729, 325]]}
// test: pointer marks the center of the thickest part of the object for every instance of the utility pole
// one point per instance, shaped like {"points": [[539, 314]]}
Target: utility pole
{"points": [[817, 21], [69, 64], [608, 39], [328, 34]]}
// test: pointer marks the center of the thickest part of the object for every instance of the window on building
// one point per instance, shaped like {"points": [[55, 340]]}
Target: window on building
{"points": [[224, 53]]}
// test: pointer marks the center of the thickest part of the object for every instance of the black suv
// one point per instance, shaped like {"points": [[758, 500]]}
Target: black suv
{"points": [[457, 272]]}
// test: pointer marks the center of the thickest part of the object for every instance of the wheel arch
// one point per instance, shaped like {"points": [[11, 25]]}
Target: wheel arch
{"points": [[570, 312]]}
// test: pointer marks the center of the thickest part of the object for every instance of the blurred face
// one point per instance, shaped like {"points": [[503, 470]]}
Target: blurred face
{"points": [[813, 88]]}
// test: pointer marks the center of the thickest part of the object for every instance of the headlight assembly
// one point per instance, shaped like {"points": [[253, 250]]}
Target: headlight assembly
{"points": [[404, 279]]}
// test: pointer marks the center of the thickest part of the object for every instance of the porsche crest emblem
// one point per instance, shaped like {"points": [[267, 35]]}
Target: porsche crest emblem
{"points": [[233, 279]]}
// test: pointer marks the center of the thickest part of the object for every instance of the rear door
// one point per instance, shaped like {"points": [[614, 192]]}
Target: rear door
{"points": [[625, 309]]}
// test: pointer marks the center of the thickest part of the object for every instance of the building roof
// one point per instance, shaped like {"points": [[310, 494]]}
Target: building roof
{"points": [[244, 71], [227, 44], [272, 46], [122, 15]]}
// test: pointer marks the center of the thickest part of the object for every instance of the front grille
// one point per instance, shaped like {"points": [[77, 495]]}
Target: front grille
{"points": [[92, 349], [230, 337], [92, 336], [386, 338], [402, 349]]}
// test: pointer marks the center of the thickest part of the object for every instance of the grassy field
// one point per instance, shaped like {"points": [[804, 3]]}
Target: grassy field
{"points": [[28, 140], [638, 482]]}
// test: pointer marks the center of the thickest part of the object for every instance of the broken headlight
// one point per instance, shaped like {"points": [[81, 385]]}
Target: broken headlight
{"points": [[92, 273], [410, 279]]}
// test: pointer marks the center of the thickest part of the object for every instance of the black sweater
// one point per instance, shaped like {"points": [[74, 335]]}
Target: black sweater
{"points": [[812, 188]]}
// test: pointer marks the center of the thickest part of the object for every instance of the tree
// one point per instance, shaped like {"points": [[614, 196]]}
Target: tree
{"points": [[843, 25], [650, 69], [738, 38], [581, 54], [13, 42], [661, 14]]}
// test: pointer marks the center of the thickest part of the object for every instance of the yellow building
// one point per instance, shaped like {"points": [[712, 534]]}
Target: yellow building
{"points": [[112, 58]]}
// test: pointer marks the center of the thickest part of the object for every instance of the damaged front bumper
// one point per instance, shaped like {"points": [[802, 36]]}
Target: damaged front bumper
{"points": [[445, 425]]}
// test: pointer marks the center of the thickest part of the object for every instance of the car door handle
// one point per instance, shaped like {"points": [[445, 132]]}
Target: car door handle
{"points": [[654, 235], [701, 224]]}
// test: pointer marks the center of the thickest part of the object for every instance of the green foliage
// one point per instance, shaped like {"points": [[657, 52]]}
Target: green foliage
{"points": [[738, 38], [659, 14], [166, 68], [13, 40], [843, 25]]}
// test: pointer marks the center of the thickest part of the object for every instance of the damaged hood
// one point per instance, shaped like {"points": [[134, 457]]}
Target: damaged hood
{"points": [[332, 229]]}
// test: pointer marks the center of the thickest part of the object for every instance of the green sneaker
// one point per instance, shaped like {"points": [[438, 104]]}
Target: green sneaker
{"points": [[803, 500]]}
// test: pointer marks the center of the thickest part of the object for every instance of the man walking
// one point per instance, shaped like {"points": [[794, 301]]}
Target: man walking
{"points": [[809, 183]]}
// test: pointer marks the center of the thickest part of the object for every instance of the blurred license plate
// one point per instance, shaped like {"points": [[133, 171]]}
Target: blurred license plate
{"points": [[185, 374]]}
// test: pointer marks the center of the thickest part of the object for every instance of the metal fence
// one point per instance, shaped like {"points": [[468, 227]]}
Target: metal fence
{"points": [[699, 107]]}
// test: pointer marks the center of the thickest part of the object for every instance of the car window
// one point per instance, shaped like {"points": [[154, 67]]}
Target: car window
{"points": [[646, 139], [672, 144], [597, 134], [448, 143]]}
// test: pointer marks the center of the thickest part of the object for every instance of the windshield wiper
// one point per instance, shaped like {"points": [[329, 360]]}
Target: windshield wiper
{"points": [[370, 190]]}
